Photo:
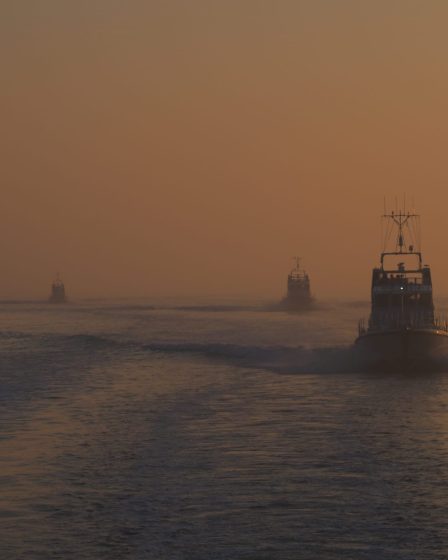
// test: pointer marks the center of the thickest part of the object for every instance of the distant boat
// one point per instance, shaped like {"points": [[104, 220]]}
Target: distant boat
{"points": [[298, 295], [402, 331], [58, 294]]}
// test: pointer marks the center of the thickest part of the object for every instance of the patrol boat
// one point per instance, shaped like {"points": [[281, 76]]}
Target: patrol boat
{"points": [[403, 331], [298, 295], [58, 291]]}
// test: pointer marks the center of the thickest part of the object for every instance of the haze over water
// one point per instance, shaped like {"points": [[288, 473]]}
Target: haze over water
{"points": [[195, 147], [169, 158]]}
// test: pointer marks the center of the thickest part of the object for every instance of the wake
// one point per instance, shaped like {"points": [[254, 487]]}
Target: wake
{"points": [[278, 358]]}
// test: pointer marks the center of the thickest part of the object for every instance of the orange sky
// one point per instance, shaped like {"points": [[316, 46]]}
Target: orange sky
{"points": [[173, 147]]}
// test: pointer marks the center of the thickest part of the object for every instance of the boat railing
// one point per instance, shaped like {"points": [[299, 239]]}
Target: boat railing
{"points": [[362, 326], [402, 277], [399, 321], [298, 276], [405, 287]]}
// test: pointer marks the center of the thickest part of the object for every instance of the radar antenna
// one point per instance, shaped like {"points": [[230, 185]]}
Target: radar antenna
{"points": [[407, 227]]}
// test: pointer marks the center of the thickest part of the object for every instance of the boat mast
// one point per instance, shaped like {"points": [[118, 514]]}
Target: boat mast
{"points": [[401, 220]]}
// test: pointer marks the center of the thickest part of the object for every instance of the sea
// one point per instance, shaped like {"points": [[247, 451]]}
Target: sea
{"points": [[213, 429]]}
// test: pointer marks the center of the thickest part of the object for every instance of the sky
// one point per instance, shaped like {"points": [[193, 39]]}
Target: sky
{"points": [[194, 147]]}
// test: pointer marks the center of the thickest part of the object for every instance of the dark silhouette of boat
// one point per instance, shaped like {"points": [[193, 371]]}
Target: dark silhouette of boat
{"points": [[298, 295], [403, 331], [58, 294]]}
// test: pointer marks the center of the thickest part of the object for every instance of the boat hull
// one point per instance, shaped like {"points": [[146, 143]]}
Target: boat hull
{"points": [[296, 304], [404, 349]]}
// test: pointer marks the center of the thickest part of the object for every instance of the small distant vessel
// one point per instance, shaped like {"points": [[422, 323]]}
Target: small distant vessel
{"points": [[298, 295], [58, 294], [403, 331]]}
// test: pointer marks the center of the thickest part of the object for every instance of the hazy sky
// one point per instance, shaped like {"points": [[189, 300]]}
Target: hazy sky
{"points": [[176, 147]]}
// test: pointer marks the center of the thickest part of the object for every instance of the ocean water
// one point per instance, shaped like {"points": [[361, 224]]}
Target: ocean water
{"points": [[207, 431]]}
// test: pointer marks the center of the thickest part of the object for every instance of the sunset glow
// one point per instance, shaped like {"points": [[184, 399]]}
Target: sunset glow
{"points": [[196, 147]]}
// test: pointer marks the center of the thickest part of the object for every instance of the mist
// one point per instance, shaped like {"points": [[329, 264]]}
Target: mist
{"points": [[187, 148]]}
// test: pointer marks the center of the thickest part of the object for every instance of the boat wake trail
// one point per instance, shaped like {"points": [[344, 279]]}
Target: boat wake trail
{"points": [[303, 360], [280, 359]]}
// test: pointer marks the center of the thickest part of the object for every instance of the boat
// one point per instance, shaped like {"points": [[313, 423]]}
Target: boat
{"points": [[403, 332], [298, 295], [58, 294]]}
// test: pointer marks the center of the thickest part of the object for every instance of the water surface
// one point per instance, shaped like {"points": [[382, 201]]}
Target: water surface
{"points": [[192, 430]]}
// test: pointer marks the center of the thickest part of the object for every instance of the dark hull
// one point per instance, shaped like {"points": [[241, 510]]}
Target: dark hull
{"points": [[57, 298], [297, 304], [404, 349]]}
